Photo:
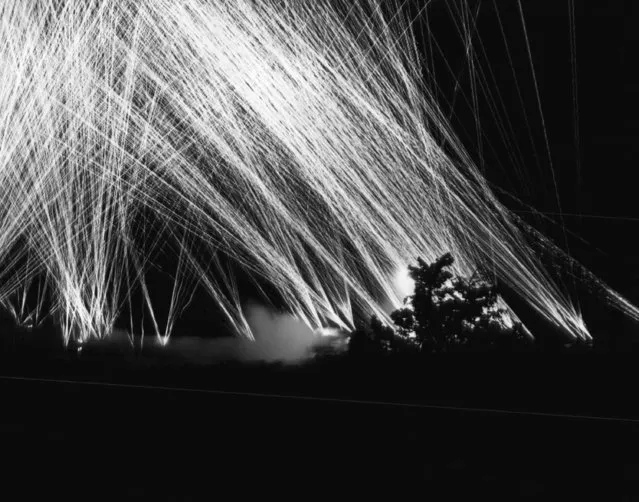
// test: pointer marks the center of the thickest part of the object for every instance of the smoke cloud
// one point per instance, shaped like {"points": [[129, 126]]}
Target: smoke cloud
{"points": [[278, 338]]}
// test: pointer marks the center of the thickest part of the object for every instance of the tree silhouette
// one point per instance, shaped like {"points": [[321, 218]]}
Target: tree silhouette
{"points": [[448, 312], [445, 313]]}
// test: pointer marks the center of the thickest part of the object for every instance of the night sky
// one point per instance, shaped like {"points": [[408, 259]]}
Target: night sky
{"points": [[595, 179]]}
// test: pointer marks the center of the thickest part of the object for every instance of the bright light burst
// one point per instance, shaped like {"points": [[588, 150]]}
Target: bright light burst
{"points": [[294, 137]]}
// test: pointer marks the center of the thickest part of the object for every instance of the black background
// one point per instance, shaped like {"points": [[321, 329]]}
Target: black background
{"points": [[100, 442], [598, 179]]}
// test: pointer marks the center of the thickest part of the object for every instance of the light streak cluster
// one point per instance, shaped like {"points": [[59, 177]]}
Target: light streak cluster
{"points": [[296, 138]]}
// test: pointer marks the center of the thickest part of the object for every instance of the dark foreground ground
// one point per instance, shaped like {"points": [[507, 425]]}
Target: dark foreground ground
{"points": [[523, 426]]}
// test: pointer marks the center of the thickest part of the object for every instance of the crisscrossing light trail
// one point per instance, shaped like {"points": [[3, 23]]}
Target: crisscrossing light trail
{"points": [[286, 135]]}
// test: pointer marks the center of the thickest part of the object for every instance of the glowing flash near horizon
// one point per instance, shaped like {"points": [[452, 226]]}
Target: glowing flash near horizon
{"points": [[295, 140], [404, 283]]}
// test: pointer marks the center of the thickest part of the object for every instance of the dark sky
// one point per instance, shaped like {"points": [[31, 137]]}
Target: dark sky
{"points": [[598, 179]]}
